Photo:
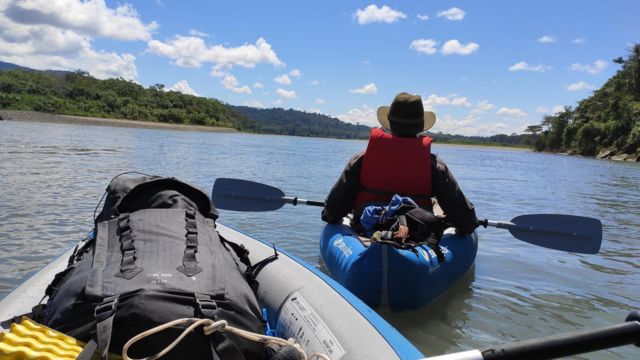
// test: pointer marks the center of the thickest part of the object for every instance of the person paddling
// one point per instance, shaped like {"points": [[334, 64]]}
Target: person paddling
{"points": [[398, 160]]}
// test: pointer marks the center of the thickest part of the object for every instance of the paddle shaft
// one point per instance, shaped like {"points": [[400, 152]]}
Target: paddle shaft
{"points": [[560, 232], [294, 200], [553, 347]]}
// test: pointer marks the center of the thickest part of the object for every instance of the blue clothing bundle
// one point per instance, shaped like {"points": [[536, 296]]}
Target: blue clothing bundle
{"points": [[374, 215]]}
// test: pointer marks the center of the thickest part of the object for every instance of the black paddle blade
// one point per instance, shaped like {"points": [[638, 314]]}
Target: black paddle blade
{"points": [[244, 195], [562, 232]]}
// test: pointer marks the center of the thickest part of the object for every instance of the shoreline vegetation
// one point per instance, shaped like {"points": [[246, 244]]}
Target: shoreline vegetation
{"points": [[40, 117], [606, 125]]}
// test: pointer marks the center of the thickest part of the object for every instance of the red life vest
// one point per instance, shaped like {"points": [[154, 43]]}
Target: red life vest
{"points": [[395, 165]]}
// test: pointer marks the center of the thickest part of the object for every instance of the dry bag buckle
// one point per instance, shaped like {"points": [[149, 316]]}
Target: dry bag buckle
{"points": [[206, 307], [106, 309]]}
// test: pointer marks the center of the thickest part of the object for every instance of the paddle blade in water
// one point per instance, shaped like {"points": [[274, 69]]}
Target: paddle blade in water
{"points": [[243, 195], [562, 232]]}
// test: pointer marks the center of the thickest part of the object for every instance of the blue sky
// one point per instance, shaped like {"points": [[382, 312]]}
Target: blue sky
{"points": [[484, 67]]}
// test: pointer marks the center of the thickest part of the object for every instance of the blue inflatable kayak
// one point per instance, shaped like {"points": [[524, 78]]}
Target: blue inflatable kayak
{"points": [[383, 275]]}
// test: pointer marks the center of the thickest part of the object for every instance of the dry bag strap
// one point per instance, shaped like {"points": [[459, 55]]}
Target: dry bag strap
{"points": [[128, 268], [104, 314], [241, 252], [189, 265]]}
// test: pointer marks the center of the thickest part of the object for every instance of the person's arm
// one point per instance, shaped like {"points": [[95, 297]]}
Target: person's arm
{"points": [[458, 210], [342, 197]]}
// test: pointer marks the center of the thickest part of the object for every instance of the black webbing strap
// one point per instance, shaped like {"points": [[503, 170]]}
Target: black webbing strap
{"points": [[128, 268], [241, 252], [189, 265], [88, 350], [252, 271], [205, 306], [104, 314]]}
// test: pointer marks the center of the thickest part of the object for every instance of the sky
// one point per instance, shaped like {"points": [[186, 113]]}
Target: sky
{"points": [[484, 67]]}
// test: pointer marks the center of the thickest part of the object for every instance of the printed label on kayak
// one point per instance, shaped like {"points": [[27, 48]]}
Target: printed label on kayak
{"points": [[431, 258], [299, 321], [342, 246]]}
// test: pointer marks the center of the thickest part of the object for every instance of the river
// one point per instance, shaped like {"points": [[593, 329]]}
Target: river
{"points": [[52, 176]]}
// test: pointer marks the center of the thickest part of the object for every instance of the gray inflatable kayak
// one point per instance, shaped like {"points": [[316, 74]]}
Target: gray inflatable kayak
{"points": [[300, 302]]}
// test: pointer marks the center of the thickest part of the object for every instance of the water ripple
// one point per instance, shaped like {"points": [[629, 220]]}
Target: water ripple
{"points": [[52, 176]]}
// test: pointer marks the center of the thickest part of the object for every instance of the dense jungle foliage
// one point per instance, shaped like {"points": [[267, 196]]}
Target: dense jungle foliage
{"points": [[607, 120], [78, 93]]}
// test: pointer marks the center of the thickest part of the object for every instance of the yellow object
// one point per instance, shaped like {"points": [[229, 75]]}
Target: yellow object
{"points": [[30, 340]]}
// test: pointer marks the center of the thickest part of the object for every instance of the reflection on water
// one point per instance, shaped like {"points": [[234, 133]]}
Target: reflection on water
{"points": [[52, 176]]}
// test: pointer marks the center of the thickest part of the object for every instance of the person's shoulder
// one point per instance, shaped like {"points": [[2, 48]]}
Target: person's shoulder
{"points": [[437, 163], [356, 157]]}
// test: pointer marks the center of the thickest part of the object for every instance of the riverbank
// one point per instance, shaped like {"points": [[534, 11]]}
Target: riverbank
{"points": [[35, 116]]}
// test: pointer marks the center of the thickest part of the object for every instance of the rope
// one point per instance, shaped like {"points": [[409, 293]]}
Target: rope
{"points": [[209, 327]]}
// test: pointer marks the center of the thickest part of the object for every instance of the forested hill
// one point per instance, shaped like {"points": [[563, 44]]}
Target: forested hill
{"points": [[605, 124], [293, 122], [78, 93]]}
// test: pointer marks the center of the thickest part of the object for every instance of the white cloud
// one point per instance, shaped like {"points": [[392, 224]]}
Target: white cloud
{"points": [[197, 33], [253, 103], [484, 105], [581, 85], [579, 41], [315, 82], [455, 47], [453, 13], [364, 115], [91, 18], [282, 79], [372, 14], [367, 89], [286, 93], [231, 83], [460, 101], [33, 42], [546, 110], [425, 46], [423, 17], [190, 51], [243, 89], [511, 112], [524, 66], [320, 101], [448, 124], [434, 100], [183, 87], [546, 39], [313, 110], [472, 125], [596, 68], [258, 85], [218, 72], [277, 102], [295, 73]]}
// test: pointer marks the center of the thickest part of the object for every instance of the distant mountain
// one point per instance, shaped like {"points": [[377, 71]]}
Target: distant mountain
{"points": [[78, 93], [57, 73], [10, 66], [300, 123]]}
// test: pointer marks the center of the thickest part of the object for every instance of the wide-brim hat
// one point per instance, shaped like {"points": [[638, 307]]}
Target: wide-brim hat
{"points": [[406, 109]]}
